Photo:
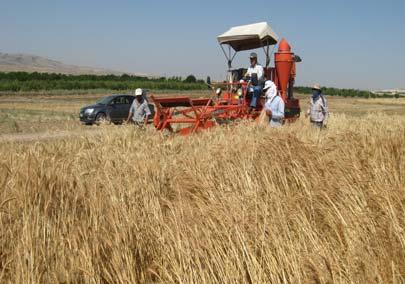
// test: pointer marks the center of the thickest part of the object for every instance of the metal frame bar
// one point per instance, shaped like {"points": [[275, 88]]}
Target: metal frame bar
{"points": [[198, 116]]}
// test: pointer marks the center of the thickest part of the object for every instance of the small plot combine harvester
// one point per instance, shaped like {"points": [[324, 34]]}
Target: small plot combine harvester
{"points": [[187, 115]]}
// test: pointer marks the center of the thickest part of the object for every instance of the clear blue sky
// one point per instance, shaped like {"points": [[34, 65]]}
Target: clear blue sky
{"points": [[343, 43]]}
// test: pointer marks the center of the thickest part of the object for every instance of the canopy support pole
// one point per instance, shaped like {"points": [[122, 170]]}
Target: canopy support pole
{"points": [[227, 57], [268, 55], [229, 60], [266, 52], [233, 56]]}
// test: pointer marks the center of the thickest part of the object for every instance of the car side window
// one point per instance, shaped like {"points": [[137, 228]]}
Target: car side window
{"points": [[126, 100], [119, 101]]}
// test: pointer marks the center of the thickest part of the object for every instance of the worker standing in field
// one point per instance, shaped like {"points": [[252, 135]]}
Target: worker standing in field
{"points": [[255, 74], [274, 105], [318, 108], [139, 111]]}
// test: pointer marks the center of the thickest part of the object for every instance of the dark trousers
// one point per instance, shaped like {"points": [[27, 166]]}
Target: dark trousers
{"points": [[318, 124], [139, 124], [257, 91]]}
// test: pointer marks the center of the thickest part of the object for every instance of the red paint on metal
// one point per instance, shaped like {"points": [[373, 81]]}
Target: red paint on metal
{"points": [[186, 115], [284, 60]]}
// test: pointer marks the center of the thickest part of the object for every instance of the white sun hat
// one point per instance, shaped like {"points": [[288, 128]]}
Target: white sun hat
{"points": [[268, 84], [138, 92], [316, 87]]}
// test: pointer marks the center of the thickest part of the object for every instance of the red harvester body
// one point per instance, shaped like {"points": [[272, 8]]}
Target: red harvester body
{"points": [[187, 115]]}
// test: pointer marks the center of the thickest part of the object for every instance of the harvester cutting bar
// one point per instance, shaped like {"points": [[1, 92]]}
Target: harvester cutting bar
{"points": [[201, 113], [181, 110]]}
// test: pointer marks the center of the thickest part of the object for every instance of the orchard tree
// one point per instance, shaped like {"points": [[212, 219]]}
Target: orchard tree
{"points": [[190, 79]]}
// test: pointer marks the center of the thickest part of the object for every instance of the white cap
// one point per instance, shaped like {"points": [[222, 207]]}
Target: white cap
{"points": [[138, 92], [268, 84]]}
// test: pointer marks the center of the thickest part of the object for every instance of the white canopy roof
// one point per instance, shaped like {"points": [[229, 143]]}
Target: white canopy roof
{"points": [[249, 36]]}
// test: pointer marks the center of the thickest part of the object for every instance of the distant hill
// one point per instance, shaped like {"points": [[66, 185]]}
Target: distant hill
{"points": [[32, 63]]}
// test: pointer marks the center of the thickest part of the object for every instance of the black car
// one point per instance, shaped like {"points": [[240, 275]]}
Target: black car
{"points": [[113, 108]]}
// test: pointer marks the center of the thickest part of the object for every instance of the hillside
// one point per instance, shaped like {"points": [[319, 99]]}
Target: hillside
{"points": [[32, 63]]}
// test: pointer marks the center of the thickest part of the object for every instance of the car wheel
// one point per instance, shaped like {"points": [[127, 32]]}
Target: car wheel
{"points": [[101, 118]]}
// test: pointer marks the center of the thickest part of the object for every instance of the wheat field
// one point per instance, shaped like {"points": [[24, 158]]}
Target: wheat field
{"points": [[236, 204]]}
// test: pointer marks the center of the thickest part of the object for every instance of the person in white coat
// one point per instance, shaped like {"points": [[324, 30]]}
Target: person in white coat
{"points": [[274, 105]]}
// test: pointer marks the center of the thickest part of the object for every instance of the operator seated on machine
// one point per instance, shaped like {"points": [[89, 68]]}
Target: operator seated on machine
{"points": [[255, 76]]}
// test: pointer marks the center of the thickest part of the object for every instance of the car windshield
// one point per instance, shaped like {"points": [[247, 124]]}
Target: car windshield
{"points": [[104, 101]]}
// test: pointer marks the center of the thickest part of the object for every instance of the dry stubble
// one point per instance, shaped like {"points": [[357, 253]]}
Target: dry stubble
{"points": [[238, 204]]}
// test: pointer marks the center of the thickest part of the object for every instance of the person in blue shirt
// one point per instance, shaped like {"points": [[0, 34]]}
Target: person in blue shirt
{"points": [[274, 105]]}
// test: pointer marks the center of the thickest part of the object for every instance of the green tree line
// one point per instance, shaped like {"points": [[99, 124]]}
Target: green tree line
{"points": [[24, 81], [344, 92]]}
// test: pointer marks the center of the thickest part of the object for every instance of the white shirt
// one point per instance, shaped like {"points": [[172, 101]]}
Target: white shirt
{"points": [[139, 110], [257, 69]]}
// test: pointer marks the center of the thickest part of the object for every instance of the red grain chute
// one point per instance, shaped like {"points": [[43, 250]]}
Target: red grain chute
{"points": [[284, 62]]}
